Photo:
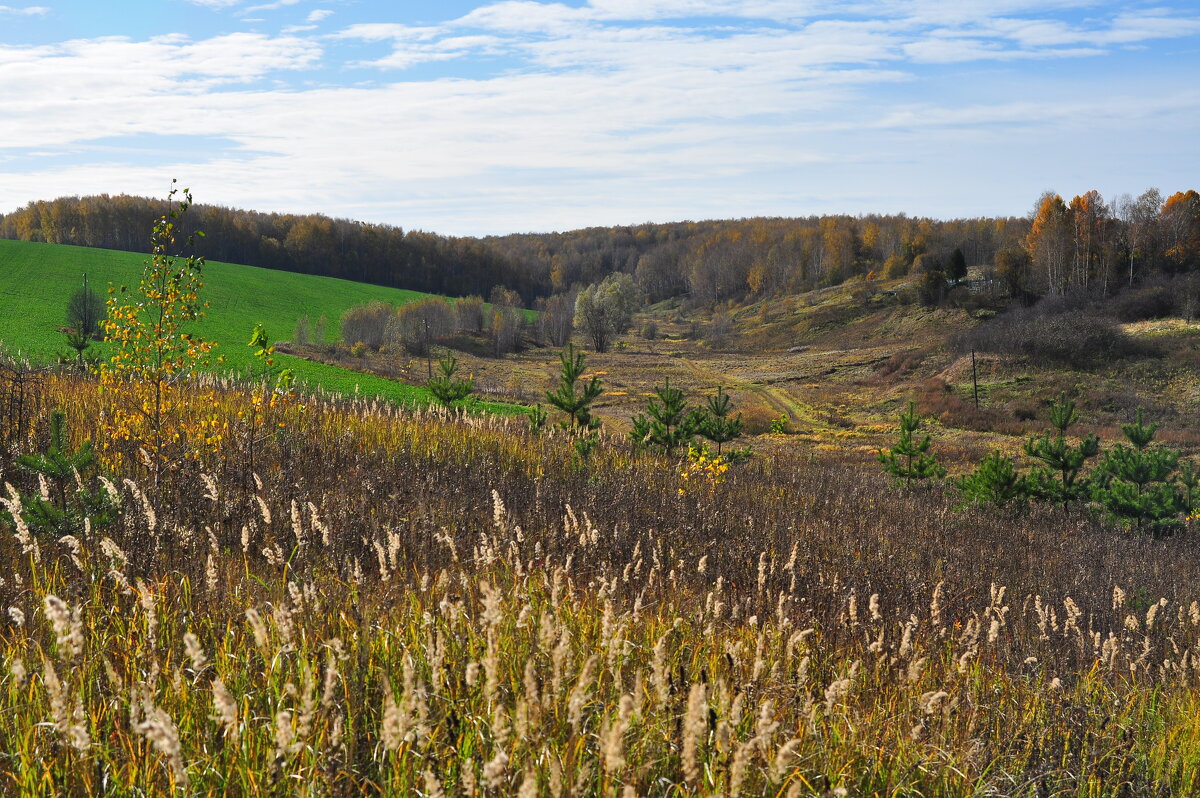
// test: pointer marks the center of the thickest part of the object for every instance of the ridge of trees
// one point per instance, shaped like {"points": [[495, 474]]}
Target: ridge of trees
{"points": [[710, 261], [308, 244], [1086, 243]]}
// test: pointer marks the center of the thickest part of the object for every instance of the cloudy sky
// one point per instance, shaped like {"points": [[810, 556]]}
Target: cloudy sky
{"points": [[470, 117]]}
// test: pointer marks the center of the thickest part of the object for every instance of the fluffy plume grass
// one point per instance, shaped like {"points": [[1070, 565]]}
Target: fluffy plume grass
{"points": [[367, 600]]}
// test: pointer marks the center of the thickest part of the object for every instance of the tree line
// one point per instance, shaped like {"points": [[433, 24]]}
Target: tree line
{"points": [[307, 244], [708, 261], [1086, 242], [1096, 246]]}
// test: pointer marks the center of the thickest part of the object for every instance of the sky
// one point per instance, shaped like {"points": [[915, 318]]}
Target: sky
{"points": [[471, 118]]}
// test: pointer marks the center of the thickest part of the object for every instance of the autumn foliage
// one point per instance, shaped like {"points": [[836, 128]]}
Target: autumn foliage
{"points": [[153, 352]]}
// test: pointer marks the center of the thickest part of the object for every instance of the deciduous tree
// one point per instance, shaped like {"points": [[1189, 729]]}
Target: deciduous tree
{"points": [[154, 349], [1049, 241], [604, 310]]}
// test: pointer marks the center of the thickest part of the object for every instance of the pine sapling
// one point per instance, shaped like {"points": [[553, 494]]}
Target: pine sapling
{"points": [[668, 422], [1138, 484], [996, 482], [720, 427], [910, 459], [575, 401], [446, 387], [1059, 477], [70, 503], [568, 396]]}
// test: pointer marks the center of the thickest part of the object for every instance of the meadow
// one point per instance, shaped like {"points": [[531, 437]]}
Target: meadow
{"points": [[344, 597], [37, 279]]}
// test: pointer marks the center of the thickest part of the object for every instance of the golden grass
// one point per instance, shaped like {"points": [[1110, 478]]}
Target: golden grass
{"points": [[424, 604]]}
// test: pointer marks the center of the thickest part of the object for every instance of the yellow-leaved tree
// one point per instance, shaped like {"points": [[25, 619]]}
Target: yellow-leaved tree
{"points": [[153, 350]]}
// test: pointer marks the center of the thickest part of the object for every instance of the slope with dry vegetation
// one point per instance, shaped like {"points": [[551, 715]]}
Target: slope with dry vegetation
{"points": [[368, 599]]}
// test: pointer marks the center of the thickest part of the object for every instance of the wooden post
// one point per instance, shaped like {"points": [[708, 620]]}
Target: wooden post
{"points": [[975, 379]]}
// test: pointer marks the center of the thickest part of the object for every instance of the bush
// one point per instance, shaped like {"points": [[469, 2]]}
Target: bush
{"points": [[757, 419], [899, 365], [1155, 302], [468, 314], [894, 267], [718, 329], [367, 324], [418, 325], [506, 329], [1071, 338], [558, 319]]}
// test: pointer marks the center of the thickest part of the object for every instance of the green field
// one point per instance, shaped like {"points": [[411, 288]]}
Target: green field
{"points": [[36, 281]]}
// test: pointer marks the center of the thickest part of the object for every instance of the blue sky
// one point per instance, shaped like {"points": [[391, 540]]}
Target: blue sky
{"points": [[522, 115]]}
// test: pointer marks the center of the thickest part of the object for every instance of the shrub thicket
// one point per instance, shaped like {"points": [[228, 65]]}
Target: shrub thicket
{"points": [[1079, 337]]}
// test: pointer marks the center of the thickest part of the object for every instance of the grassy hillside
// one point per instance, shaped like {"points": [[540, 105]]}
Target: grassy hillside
{"points": [[393, 603], [37, 279]]}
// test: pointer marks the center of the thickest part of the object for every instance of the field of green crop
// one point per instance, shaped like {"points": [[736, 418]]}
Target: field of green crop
{"points": [[36, 281]]}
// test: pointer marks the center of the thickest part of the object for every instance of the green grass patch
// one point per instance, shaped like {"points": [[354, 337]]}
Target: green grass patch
{"points": [[36, 280]]}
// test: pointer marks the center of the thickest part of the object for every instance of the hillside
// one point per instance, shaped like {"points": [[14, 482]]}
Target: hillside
{"points": [[382, 602], [37, 279], [838, 364]]}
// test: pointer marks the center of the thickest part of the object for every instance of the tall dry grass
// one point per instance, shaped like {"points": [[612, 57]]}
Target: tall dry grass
{"points": [[341, 598]]}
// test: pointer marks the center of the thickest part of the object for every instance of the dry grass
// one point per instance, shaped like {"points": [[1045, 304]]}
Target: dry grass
{"points": [[413, 604]]}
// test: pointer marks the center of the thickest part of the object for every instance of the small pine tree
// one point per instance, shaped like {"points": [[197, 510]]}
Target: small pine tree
{"points": [[995, 483], [85, 311], [537, 419], [910, 460], [1189, 488], [80, 343], [569, 399], [668, 422], [70, 508], [720, 427], [445, 387], [1138, 485], [1059, 477]]}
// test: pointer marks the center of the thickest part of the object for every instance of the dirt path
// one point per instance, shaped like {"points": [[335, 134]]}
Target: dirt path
{"points": [[775, 398]]}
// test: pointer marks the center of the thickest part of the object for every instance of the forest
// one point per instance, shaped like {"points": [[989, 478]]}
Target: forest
{"points": [[1085, 242]]}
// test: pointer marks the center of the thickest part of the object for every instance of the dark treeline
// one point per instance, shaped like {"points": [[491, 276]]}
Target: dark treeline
{"points": [[1086, 243], [308, 244]]}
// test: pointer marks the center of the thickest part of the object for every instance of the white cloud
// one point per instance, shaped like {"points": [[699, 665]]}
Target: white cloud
{"points": [[28, 11], [278, 4], [318, 15], [216, 4], [611, 111]]}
